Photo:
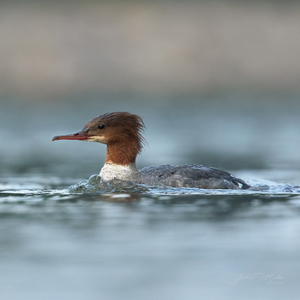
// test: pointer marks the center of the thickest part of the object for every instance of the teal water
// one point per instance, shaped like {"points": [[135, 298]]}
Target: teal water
{"points": [[134, 242]]}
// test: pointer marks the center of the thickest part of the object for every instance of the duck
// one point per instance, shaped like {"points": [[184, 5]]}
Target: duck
{"points": [[122, 133]]}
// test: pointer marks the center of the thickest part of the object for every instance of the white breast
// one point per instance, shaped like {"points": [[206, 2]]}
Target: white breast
{"points": [[127, 172]]}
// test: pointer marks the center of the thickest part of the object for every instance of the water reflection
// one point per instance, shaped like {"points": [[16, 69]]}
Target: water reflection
{"points": [[199, 206]]}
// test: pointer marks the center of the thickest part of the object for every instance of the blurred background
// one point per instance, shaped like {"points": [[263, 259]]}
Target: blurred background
{"points": [[217, 82]]}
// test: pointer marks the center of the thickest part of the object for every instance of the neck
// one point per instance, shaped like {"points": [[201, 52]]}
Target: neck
{"points": [[120, 163], [121, 154]]}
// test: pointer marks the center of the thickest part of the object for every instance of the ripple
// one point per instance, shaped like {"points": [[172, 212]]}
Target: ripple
{"points": [[95, 185], [123, 191]]}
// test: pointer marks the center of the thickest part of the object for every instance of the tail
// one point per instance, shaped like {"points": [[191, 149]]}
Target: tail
{"points": [[245, 186]]}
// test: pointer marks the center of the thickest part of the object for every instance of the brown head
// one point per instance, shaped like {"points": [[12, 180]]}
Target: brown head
{"points": [[120, 131]]}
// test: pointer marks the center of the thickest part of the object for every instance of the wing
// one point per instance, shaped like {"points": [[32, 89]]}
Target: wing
{"points": [[191, 176]]}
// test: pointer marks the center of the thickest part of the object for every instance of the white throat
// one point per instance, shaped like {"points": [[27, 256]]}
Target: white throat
{"points": [[113, 171]]}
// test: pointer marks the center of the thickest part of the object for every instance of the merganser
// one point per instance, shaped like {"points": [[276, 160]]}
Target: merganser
{"points": [[122, 133]]}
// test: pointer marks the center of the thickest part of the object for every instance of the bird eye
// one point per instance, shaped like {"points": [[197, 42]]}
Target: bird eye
{"points": [[101, 126]]}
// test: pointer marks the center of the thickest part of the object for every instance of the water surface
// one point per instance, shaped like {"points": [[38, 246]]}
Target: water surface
{"points": [[150, 243]]}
